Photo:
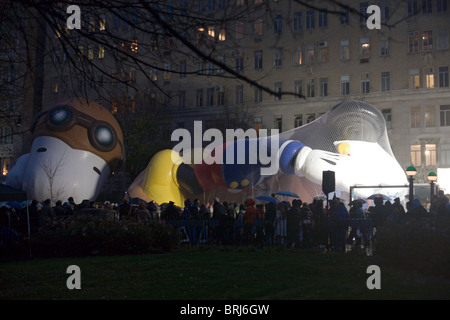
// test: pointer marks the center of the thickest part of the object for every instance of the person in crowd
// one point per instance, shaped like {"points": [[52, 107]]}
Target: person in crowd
{"points": [[338, 230], [307, 226], [416, 210], [58, 209], [270, 215], [280, 224], [293, 224], [47, 212], [124, 209], [250, 216], [171, 212], [72, 202], [399, 210], [142, 212]]}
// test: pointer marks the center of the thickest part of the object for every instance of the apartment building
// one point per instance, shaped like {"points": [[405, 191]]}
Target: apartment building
{"points": [[275, 64]]}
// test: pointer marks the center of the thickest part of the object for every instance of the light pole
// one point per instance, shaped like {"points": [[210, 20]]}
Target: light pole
{"points": [[432, 177], [411, 172]]}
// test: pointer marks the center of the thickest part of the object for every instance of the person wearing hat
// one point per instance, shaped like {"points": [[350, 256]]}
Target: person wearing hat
{"points": [[76, 145]]}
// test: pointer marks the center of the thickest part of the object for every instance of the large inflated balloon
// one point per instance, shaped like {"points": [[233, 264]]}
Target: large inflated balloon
{"points": [[351, 140], [76, 144]]}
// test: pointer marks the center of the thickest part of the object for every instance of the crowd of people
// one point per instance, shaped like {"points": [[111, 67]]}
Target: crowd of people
{"points": [[274, 223]]}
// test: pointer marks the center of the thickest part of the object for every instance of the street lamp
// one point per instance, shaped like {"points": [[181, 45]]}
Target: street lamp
{"points": [[432, 177], [411, 172]]}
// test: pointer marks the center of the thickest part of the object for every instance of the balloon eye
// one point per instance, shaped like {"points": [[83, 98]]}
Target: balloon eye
{"points": [[60, 116], [104, 136]]}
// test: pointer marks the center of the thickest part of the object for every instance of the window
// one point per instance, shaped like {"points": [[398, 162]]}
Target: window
{"points": [[310, 54], [278, 88], [387, 114], [364, 50], [345, 85], [415, 155], [211, 33], [211, 5], [309, 19], [210, 97], [258, 95], [101, 52], [201, 5], [102, 24], [384, 7], [278, 123], [385, 81], [413, 42], [323, 19], [443, 39], [430, 155], [441, 5], [239, 64], [412, 7], [298, 89], [427, 40], [258, 27], [363, 12], [297, 56], [222, 36], [323, 87], [220, 59], [427, 6], [310, 117], [298, 21], [443, 77], [167, 71], [310, 88], [257, 123], [209, 67], [183, 69], [90, 53], [365, 83], [298, 121], [277, 24], [430, 116], [199, 100], [220, 96], [414, 79], [239, 94], [239, 30], [415, 117], [428, 78], [258, 60], [153, 74], [385, 47], [6, 165], [344, 16], [278, 57], [323, 52], [182, 99], [445, 115], [345, 50]]}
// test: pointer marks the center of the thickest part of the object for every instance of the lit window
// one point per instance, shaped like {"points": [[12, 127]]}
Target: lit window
{"points": [[364, 51], [428, 78], [102, 24], [415, 155], [430, 116], [211, 32], [222, 36], [101, 52], [414, 79], [134, 46], [430, 154], [427, 38]]}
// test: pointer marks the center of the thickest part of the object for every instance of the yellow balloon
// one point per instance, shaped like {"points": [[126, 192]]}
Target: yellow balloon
{"points": [[343, 148]]}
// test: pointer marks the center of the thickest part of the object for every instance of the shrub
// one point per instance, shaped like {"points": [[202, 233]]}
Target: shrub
{"points": [[418, 245], [86, 235]]}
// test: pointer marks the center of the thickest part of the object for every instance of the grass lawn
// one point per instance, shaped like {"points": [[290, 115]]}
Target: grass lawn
{"points": [[216, 274]]}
